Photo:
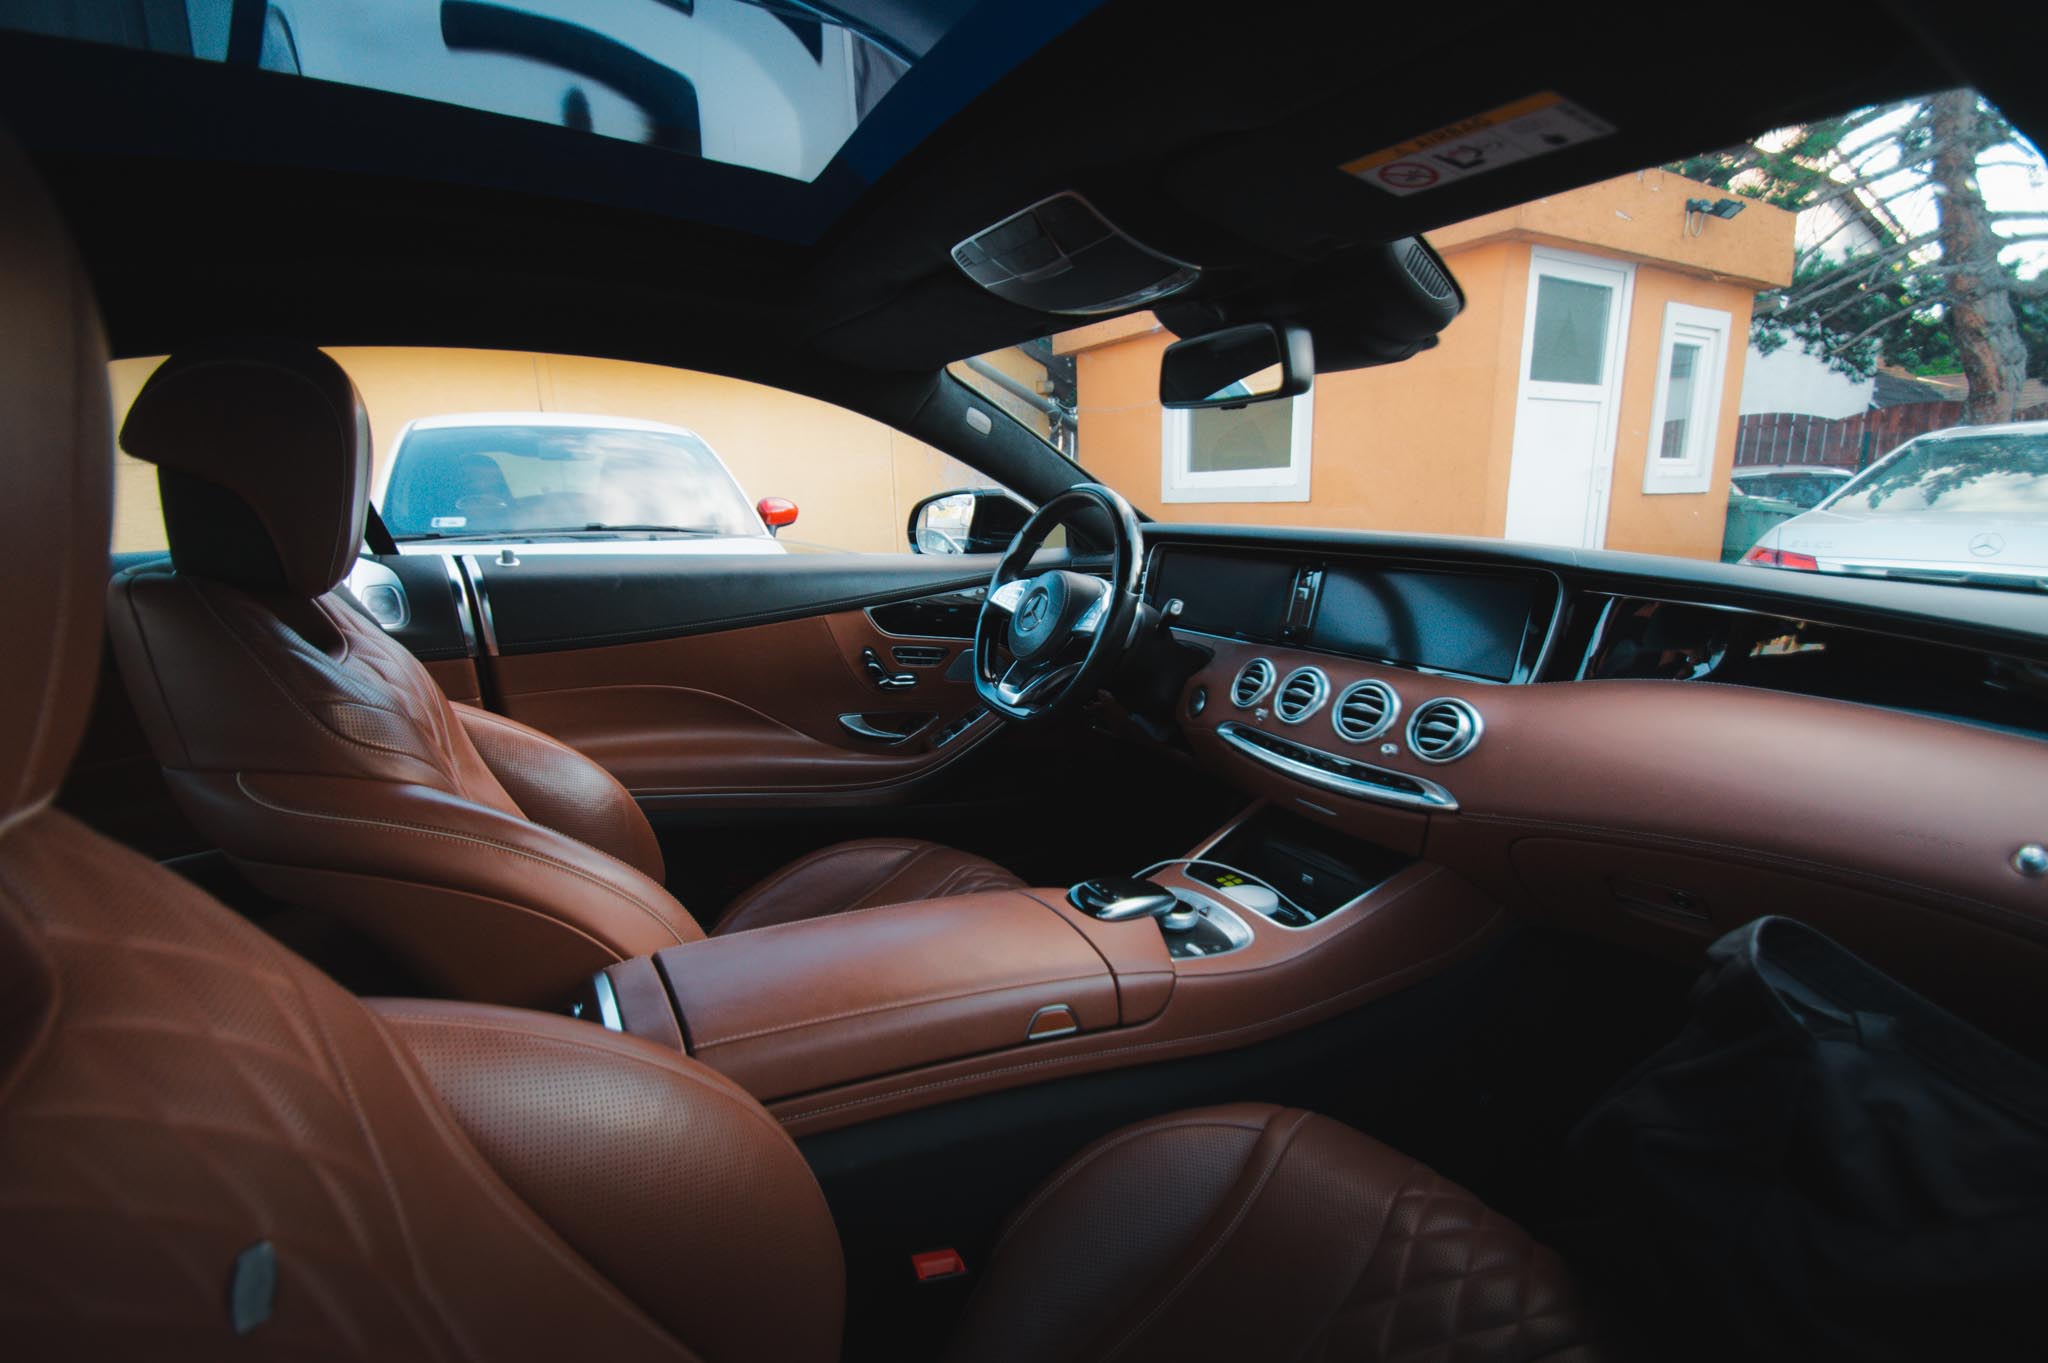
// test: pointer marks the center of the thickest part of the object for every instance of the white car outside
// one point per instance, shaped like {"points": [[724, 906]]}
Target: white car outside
{"points": [[563, 483], [1967, 505]]}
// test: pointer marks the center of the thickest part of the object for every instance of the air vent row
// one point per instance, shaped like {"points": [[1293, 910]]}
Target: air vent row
{"points": [[1364, 711], [1253, 681], [1300, 695], [1443, 730]]}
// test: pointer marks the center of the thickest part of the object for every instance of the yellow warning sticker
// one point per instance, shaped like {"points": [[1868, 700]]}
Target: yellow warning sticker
{"points": [[1521, 131]]}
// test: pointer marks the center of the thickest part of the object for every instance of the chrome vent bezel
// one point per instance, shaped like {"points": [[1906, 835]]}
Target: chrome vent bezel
{"points": [[1268, 674], [1390, 710], [1466, 727], [1319, 692]]}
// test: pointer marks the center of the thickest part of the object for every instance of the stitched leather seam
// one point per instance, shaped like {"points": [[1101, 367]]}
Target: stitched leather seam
{"points": [[891, 1007], [1215, 1248], [1086, 1158], [751, 900], [448, 836], [32, 933], [1085, 1057], [291, 698]]}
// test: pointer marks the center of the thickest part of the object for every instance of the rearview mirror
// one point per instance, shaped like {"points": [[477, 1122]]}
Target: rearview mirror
{"points": [[1258, 362], [977, 521]]}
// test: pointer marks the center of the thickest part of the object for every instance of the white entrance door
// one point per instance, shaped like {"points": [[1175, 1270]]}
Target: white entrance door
{"points": [[1572, 342]]}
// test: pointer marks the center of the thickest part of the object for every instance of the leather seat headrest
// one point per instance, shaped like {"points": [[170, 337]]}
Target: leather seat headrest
{"points": [[57, 448], [263, 457]]}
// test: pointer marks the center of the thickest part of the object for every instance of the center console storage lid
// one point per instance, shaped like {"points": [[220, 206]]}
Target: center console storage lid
{"points": [[826, 1001]]}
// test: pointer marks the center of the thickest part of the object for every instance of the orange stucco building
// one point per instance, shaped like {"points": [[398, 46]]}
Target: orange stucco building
{"points": [[1433, 444]]}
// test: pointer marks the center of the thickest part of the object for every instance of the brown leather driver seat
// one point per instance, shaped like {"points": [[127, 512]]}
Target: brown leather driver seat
{"points": [[208, 1150], [496, 862]]}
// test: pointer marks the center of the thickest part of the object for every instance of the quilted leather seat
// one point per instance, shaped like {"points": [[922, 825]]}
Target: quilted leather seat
{"points": [[208, 1150], [497, 863]]}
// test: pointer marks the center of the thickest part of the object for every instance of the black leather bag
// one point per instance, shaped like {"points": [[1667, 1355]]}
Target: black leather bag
{"points": [[1822, 1165]]}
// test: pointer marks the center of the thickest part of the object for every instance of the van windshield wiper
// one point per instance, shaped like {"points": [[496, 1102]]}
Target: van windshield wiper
{"points": [[550, 531]]}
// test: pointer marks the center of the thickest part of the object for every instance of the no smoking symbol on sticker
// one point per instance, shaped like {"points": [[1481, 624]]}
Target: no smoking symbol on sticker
{"points": [[1408, 175]]}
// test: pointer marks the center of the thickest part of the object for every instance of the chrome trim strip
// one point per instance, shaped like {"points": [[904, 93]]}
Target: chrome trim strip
{"points": [[1432, 795], [857, 725], [463, 614], [475, 572], [607, 1002]]}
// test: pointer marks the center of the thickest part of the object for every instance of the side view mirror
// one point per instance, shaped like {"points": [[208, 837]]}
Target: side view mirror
{"points": [[968, 521], [1257, 362], [776, 512]]}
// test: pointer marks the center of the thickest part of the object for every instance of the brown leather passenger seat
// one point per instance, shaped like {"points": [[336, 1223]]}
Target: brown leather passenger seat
{"points": [[208, 1150], [495, 862]]}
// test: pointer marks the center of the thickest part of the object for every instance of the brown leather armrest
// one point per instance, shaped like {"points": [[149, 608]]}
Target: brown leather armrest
{"points": [[818, 1003]]}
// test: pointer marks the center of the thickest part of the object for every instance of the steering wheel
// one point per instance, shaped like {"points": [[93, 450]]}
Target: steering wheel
{"points": [[1045, 641]]}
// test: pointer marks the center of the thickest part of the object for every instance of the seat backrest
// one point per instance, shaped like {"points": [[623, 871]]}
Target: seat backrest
{"points": [[314, 749], [208, 1150]]}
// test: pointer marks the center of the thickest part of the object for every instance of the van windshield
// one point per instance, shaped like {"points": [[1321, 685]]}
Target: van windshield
{"points": [[462, 481]]}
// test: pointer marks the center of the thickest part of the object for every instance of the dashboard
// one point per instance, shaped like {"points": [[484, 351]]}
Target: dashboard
{"points": [[1648, 751]]}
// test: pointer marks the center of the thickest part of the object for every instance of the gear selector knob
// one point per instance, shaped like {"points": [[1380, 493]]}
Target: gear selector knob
{"points": [[1115, 898]]}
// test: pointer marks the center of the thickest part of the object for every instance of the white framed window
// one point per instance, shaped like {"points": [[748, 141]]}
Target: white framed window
{"points": [[1692, 364], [1255, 453]]}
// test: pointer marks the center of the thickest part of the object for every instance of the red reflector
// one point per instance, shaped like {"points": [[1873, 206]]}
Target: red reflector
{"points": [[1762, 554], [1804, 562], [937, 1263]]}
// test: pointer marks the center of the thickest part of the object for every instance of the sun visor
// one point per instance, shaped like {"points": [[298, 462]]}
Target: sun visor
{"points": [[1061, 255]]}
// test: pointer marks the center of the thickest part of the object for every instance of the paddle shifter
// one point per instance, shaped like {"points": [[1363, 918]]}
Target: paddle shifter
{"points": [[1115, 898]]}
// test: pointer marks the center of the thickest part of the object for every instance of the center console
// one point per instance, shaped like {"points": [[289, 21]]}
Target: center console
{"points": [[1269, 925]]}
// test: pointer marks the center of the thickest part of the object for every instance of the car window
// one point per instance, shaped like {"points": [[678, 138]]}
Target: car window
{"points": [[1628, 348], [1959, 476], [519, 444]]}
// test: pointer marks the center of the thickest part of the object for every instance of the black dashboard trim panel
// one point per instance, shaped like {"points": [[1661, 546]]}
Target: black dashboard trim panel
{"points": [[2008, 622], [549, 602]]}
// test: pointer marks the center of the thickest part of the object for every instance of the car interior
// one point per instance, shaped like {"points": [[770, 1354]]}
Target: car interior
{"points": [[1122, 939]]}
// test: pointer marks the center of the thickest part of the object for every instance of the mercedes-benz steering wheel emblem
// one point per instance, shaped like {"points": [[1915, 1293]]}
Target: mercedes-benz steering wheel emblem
{"points": [[1987, 544], [1034, 610]]}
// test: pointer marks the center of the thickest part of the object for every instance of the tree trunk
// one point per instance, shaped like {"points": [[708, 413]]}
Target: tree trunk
{"points": [[1978, 309]]}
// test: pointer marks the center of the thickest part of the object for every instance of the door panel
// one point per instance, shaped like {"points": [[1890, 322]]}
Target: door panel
{"points": [[750, 712]]}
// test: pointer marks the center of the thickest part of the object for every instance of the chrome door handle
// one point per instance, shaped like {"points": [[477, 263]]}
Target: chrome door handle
{"points": [[859, 727]]}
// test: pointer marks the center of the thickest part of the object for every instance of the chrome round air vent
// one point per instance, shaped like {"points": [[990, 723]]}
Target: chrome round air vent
{"points": [[1443, 730], [1253, 681], [1300, 695], [1365, 710]]}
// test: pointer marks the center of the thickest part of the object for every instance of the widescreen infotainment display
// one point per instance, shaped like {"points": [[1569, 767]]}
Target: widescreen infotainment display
{"points": [[1457, 622]]}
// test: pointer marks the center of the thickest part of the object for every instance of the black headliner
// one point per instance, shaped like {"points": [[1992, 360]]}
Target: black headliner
{"points": [[213, 200]]}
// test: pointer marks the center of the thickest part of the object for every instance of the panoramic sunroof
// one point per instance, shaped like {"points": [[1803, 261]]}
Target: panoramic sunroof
{"points": [[783, 87]]}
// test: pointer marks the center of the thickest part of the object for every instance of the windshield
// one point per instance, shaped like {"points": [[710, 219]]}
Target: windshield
{"points": [[470, 481], [1680, 361], [1981, 475]]}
